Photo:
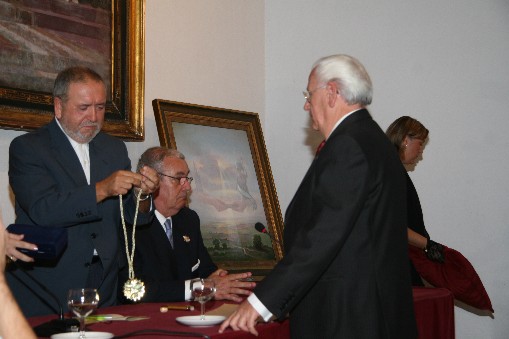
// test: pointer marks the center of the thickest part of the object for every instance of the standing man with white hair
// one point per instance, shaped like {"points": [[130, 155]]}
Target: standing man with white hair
{"points": [[345, 270]]}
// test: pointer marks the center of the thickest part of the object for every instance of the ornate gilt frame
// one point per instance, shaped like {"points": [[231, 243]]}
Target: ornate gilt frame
{"points": [[26, 110], [170, 116]]}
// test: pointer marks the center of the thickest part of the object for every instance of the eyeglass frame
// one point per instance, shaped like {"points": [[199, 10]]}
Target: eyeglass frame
{"points": [[308, 94], [182, 180]]}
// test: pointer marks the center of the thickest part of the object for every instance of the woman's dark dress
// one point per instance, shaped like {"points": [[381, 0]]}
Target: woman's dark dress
{"points": [[415, 223]]}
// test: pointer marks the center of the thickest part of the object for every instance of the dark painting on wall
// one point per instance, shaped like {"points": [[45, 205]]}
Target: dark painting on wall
{"points": [[38, 39]]}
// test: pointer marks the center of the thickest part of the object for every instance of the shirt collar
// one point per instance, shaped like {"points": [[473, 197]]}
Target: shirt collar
{"points": [[341, 120], [161, 218]]}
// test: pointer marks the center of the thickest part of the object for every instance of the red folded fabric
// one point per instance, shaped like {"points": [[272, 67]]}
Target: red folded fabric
{"points": [[456, 274]]}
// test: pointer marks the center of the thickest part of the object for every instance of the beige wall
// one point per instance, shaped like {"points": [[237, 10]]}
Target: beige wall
{"points": [[203, 52]]}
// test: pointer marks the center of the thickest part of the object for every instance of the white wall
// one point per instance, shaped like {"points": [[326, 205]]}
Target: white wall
{"points": [[442, 62], [203, 52]]}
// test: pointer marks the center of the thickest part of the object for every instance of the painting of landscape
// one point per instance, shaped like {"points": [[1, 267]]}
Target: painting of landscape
{"points": [[233, 191], [226, 193]]}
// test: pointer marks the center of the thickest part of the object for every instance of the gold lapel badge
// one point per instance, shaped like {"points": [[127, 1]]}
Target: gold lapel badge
{"points": [[186, 238]]}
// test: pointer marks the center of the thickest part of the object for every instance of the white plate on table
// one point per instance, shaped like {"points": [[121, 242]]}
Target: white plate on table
{"points": [[88, 335], [195, 320]]}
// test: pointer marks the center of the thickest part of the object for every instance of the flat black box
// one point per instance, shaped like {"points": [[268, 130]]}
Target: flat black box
{"points": [[50, 241]]}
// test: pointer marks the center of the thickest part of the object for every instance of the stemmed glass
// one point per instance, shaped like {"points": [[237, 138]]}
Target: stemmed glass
{"points": [[82, 302], [203, 290]]}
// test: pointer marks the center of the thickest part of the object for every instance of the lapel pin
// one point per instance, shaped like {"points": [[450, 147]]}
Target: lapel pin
{"points": [[186, 238]]}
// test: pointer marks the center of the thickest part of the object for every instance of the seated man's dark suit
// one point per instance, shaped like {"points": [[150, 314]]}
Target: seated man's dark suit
{"points": [[164, 269]]}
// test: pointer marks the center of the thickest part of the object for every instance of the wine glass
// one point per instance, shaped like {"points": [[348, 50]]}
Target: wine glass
{"points": [[203, 290], [82, 302]]}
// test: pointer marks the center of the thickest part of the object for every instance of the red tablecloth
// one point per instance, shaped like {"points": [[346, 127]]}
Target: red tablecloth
{"points": [[166, 321], [434, 312]]}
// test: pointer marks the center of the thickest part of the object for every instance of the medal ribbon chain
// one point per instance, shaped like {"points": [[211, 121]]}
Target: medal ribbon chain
{"points": [[130, 255]]}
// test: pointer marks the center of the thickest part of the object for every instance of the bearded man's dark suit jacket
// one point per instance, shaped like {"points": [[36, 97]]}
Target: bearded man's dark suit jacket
{"points": [[164, 269], [345, 272], [51, 190]]}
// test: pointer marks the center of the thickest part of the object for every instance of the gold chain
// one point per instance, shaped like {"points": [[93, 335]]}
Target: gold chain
{"points": [[130, 255], [134, 289]]}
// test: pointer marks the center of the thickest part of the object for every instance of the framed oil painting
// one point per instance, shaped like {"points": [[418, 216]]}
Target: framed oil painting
{"points": [[38, 39], [233, 190]]}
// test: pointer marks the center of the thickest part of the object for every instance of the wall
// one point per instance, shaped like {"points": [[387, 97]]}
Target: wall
{"points": [[444, 63], [206, 53]]}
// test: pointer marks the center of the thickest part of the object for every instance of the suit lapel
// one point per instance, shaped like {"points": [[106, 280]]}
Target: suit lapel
{"points": [[161, 244], [159, 236], [181, 247], [99, 161]]}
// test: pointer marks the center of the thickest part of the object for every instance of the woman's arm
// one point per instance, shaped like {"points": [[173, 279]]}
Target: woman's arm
{"points": [[12, 322], [417, 240], [434, 251]]}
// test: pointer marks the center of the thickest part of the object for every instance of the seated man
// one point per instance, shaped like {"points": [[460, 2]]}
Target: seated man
{"points": [[169, 252]]}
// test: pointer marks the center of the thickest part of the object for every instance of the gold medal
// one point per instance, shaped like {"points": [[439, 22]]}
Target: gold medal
{"points": [[134, 289]]}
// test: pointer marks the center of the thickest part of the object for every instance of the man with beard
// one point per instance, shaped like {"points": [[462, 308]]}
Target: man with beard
{"points": [[69, 174]]}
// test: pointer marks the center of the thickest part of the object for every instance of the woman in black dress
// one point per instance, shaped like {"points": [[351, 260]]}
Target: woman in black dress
{"points": [[409, 137]]}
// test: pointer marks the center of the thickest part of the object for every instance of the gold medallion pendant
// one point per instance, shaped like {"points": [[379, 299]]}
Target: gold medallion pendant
{"points": [[134, 289]]}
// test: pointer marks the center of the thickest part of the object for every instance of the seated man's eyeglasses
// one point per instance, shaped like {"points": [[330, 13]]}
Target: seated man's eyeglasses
{"points": [[181, 180]]}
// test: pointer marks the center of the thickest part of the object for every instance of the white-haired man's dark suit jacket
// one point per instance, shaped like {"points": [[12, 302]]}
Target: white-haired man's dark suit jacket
{"points": [[345, 272]]}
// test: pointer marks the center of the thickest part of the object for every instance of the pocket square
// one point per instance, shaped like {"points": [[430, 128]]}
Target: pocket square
{"points": [[195, 267]]}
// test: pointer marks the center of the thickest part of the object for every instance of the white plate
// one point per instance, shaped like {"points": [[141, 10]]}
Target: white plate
{"points": [[88, 335], [194, 320]]}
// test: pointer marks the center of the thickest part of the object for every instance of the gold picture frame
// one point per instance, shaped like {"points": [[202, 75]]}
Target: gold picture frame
{"points": [[22, 109], [226, 154]]}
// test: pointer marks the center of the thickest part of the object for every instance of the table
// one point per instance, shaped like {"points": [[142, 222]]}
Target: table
{"points": [[166, 321], [434, 313]]}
